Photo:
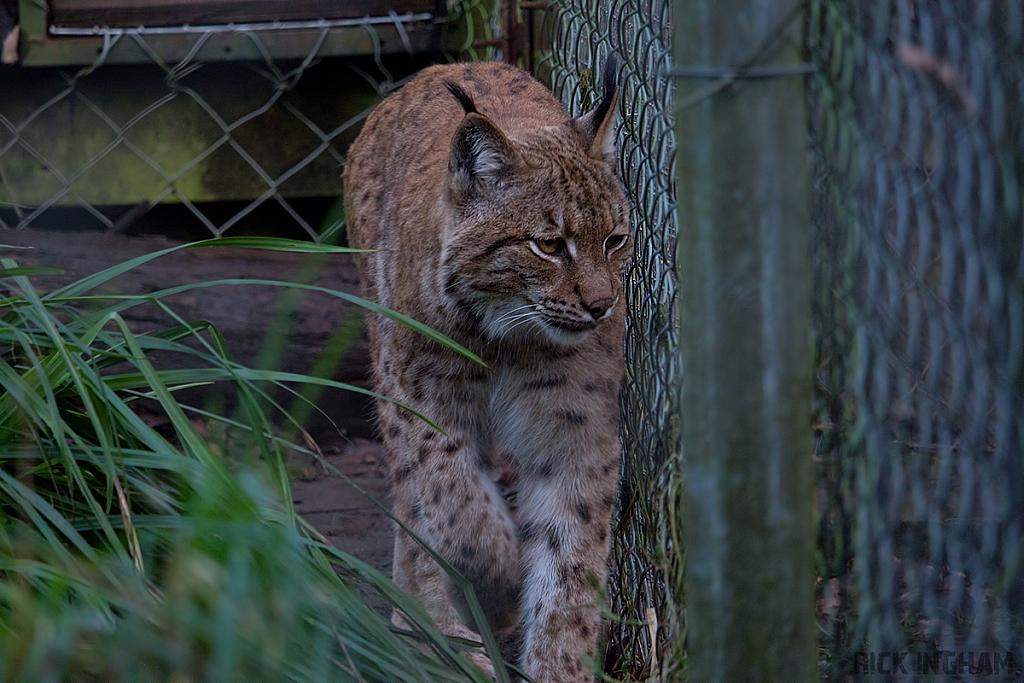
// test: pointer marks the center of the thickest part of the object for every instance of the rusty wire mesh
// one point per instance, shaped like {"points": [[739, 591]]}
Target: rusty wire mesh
{"points": [[917, 114], [645, 589], [43, 157]]}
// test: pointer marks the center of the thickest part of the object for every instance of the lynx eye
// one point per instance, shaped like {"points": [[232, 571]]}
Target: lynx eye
{"points": [[614, 242], [551, 245]]}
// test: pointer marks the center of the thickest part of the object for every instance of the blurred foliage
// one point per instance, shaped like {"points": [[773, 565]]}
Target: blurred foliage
{"points": [[469, 22]]}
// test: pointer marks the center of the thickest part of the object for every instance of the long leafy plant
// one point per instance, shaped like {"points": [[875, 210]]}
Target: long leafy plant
{"points": [[132, 554]]}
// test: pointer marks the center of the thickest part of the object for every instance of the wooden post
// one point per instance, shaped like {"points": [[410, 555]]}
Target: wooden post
{"points": [[744, 291]]}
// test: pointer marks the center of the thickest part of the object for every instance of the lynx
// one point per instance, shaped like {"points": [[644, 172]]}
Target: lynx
{"points": [[498, 220]]}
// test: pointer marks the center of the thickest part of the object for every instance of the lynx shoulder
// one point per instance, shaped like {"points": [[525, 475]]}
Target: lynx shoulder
{"points": [[497, 219]]}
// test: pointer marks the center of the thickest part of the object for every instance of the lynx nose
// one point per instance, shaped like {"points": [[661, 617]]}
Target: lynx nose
{"points": [[597, 309]]}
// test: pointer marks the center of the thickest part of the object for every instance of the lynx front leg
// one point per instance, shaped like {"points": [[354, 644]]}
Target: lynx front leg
{"points": [[565, 540], [562, 429], [418, 574], [442, 493]]}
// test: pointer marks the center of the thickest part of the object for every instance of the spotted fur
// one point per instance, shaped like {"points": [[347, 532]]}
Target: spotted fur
{"points": [[498, 220]]}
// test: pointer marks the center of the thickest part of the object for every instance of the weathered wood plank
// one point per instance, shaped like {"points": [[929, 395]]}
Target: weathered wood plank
{"points": [[241, 313], [130, 13]]}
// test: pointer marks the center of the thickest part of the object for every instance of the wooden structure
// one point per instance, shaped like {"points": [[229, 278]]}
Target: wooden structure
{"points": [[241, 313], [132, 13], [66, 32], [193, 101]]}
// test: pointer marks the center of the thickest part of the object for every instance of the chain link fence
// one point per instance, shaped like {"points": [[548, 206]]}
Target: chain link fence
{"points": [[917, 129], [646, 583], [917, 116], [245, 113]]}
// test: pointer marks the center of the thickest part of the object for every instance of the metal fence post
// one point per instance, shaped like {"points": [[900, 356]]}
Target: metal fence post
{"points": [[744, 291]]}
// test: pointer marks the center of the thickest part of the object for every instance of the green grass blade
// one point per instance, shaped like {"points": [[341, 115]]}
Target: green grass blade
{"points": [[271, 243], [22, 271], [190, 439], [174, 377], [84, 379], [130, 301], [335, 350], [39, 509]]}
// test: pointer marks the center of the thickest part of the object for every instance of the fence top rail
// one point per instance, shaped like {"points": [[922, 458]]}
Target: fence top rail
{"points": [[232, 27]]}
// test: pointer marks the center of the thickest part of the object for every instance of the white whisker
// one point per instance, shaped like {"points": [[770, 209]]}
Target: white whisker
{"points": [[520, 317], [508, 315], [532, 316]]}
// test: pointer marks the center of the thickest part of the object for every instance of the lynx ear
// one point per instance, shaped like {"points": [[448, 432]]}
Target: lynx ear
{"points": [[598, 126], [481, 154], [480, 151]]}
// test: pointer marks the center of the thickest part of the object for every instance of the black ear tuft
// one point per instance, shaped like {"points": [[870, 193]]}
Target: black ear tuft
{"points": [[611, 74], [462, 96], [597, 127]]}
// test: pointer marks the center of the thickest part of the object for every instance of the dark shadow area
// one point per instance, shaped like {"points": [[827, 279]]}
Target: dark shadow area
{"points": [[179, 223]]}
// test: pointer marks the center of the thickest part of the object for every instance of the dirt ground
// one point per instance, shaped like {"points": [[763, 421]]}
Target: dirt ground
{"points": [[347, 517]]}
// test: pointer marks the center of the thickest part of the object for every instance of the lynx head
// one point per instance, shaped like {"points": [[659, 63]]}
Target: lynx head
{"points": [[538, 230]]}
